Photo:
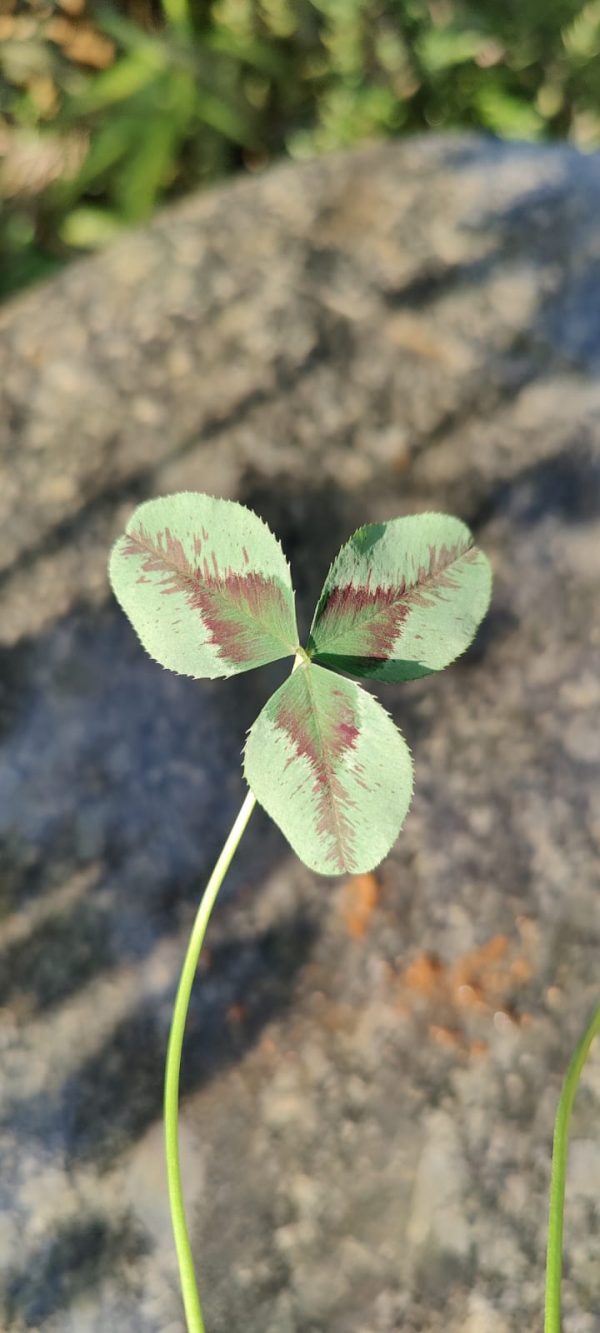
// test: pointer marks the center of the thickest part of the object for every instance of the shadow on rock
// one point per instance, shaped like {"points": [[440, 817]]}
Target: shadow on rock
{"points": [[71, 1263]]}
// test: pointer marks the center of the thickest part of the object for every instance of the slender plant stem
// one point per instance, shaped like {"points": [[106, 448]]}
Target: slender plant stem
{"points": [[177, 14], [559, 1172], [189, 1290]]}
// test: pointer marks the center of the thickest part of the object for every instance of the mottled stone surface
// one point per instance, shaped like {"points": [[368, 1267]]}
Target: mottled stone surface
{"points": [[369, 1087]]}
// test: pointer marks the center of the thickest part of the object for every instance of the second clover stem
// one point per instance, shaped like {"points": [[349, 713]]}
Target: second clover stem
{"points": [[559, 1174], [189, 1289]]}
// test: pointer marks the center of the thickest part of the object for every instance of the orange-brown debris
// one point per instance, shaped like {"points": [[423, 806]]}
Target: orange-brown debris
{"points": [[482, 983], [360, 898]]}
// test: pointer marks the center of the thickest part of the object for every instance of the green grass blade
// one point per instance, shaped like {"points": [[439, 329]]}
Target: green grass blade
{"points": [[559, 1173]]}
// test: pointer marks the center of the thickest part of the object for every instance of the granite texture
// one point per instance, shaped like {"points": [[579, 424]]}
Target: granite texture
{"points": [[372, 1067]]}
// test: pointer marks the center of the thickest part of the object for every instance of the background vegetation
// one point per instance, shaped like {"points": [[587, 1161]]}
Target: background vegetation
{"points": [[107, 111]]}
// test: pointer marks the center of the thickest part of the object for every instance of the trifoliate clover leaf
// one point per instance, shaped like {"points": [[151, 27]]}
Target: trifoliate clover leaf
{"points": [[207, 587]]}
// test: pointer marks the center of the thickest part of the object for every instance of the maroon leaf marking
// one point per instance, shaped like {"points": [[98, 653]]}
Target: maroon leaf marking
{"points": [[323, 736], [234, 607], [375, 615], [164, 555]]}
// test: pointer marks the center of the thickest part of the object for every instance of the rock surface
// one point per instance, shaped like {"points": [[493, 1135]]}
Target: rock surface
{"points": [[372, 1070]]}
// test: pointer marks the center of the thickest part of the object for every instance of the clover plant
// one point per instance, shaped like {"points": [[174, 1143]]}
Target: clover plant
{"points": [[207, 587]]}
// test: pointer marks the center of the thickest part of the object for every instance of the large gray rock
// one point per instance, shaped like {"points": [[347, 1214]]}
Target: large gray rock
{"points": [[369, 1089]]}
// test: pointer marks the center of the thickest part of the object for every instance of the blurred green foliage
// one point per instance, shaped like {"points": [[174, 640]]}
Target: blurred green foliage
{"points": [[105, 112]]}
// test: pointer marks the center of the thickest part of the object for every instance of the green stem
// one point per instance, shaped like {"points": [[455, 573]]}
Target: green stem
{"points": [[191, 1299], [559, 1173], [177, 14]]}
